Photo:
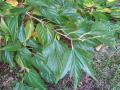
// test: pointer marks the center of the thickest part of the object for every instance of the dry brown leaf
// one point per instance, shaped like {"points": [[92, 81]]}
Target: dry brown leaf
{"points": [[98, 47]]}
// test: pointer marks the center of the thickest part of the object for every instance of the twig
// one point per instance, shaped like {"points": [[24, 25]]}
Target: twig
{"points": [[71, 39], [53, 30], [84, 35], [34, 18], [62, 35]]}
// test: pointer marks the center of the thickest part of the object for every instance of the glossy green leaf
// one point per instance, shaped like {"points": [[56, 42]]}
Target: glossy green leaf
{"points": [[17, 11], [9, 58], [102, 31], [85, 58], [54, 56], [29, 28], [51, 13], [21, 86], [36, 3], [75, 68], [11, 47], [38, 61], [33, 79], [41, 64], [32, 43], [21, 34], [26, 57], [100, 16], [115, 15], [4, 8], [12, 23], [78, 60], [3, 26], [19, 61], [44, 34], [66, 64]]}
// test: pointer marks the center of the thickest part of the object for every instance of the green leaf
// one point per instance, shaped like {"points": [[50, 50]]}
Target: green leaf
{"points": [[66, 64], [4, 8], [29, 28], [21, 34], [75, 68], [9, 58], [3, 26], [85, 58], [44, 34], [115, 15], [103, 32], [26, 57], [12, 23], [79, 60], [88, 45], [36, 3], [82, 29], [32, 43], [38, 61], [51, 14], [33, 79], [41, 64], [21, 86], [53, 53], [11, 47], [19, 61], [17, 11], [100, 16]]}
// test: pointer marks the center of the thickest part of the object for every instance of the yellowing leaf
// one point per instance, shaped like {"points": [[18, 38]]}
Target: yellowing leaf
{"points": [[12, 2], [110, 1], [29, 28], [107, 10]]}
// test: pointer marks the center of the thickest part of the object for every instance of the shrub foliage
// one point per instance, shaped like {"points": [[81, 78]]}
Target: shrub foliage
{"points": [[50, 38]]}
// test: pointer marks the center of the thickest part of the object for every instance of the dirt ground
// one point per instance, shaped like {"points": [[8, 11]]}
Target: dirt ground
{"points": [[8, 77]]}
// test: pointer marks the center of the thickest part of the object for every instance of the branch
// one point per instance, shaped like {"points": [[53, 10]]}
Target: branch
{"points": [[63, 35], [34, 18], [43, 22], [84, 35], [93, 37]]}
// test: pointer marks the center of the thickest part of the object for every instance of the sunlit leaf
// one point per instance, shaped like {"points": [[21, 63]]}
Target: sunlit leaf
{"points": [[12, 23], [29, 28], [44, 34], [11, 47], [12, 2], [3, 26]]}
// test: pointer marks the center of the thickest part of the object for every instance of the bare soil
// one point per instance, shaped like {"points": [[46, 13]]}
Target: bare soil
{"points": [[8, 77]]}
